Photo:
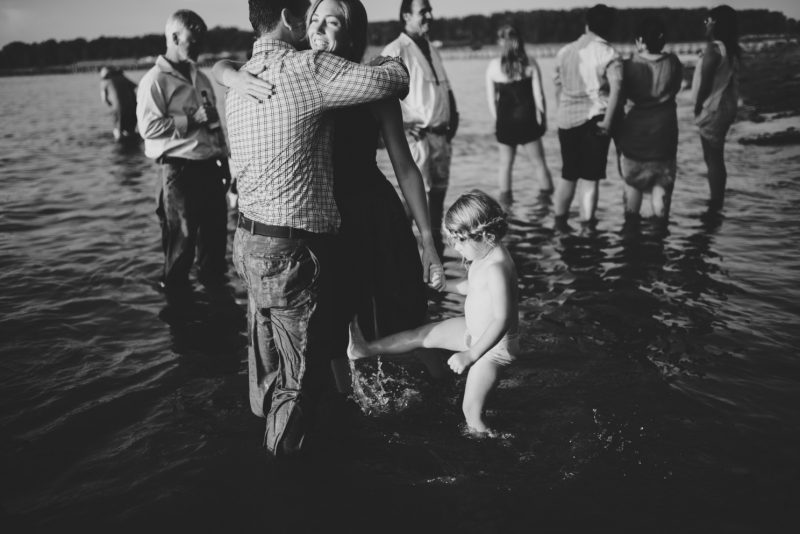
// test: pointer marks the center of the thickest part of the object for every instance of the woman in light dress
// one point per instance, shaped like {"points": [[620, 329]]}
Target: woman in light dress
{"points": [[716, 95]]}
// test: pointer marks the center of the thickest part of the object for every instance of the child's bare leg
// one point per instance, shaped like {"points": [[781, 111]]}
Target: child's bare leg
{"points": [[482, 379], [341, 375], [447, 334]]}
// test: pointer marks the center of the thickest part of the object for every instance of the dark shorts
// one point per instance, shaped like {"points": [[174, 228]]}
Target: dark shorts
{"points": [[584, 153]]}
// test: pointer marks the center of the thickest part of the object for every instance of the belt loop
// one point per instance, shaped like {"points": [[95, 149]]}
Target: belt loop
{"points": [[245, 223]]}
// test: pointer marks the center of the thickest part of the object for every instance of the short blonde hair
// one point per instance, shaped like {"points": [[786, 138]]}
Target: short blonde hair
{"points": [[184, 18]]}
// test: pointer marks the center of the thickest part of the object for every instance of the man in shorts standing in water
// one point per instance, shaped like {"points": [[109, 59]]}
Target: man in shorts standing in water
{"points": [[588, 80]]}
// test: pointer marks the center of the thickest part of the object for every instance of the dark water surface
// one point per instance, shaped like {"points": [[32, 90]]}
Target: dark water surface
{"points": [[659, 391]]}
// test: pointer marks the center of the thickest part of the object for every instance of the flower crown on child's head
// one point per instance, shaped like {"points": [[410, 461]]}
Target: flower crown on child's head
{"points": [[477, 216]]}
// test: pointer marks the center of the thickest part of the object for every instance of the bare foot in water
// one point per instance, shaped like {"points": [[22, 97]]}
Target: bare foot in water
{"points": [[484, 432], [356, 347]]}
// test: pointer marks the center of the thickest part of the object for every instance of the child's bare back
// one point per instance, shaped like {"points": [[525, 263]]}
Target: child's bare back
{"points": [[478, 305]]}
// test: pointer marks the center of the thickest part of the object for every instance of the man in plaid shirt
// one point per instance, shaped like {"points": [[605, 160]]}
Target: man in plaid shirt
{"points": [[288, 217]]}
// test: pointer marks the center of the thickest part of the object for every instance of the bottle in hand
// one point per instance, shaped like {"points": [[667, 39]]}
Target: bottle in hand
{"points": [[213, 123]]}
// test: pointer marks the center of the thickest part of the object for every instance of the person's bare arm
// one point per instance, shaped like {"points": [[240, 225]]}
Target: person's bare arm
{"points": [[455, 118], [614, 75], [409, 178], [709, 64], [677, 77], [104, 93], [244, 83], [491, 94], [538, 92], [557, 83], [501, 296]]}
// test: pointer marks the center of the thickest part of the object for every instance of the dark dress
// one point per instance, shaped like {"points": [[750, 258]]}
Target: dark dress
{"points": [[516, 113], [380, 271], [649, 131]]}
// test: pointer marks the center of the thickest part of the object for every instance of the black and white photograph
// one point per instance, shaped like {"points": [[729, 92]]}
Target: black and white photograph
{"points": [[399, 266]]}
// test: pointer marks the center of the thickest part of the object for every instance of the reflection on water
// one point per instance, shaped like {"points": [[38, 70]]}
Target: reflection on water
{"points": [[657, 388]]}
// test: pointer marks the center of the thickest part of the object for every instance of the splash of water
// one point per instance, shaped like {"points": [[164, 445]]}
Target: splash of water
{"points": [[380, 392]]}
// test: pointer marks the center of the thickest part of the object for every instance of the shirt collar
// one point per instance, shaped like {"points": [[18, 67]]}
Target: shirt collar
{"points": [[594, 37], [266, 45], [167, 67], [409, 39]]}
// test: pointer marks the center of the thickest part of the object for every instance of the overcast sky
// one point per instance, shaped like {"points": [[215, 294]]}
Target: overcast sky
{"points": [[39, 20]]}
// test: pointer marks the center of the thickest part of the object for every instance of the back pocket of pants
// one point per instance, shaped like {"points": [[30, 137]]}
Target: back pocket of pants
{"points": [[282, 280]]}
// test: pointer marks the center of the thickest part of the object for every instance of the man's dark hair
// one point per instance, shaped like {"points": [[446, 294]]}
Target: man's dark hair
{"points": [[651, 30], [266, 14], [726, 28], [600, 20], [405, 7]]}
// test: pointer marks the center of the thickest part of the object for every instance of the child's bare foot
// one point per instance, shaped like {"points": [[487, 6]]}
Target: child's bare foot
{"points": [[481, 432], [356, 347]]}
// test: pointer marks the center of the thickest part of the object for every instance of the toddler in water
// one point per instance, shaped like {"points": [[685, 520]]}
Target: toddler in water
{"points": [[485, 338]]}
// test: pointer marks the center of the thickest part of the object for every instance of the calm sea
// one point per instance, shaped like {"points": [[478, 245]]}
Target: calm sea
{"points": [[659, 390]]}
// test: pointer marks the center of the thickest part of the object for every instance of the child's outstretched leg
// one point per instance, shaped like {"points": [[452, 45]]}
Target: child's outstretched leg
{"points": [[447, 334], [482, 379]]}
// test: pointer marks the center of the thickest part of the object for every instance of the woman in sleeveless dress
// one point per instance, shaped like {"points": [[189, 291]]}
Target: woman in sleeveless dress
{"points": [[516, 102], [381, 279], [716, 95]]}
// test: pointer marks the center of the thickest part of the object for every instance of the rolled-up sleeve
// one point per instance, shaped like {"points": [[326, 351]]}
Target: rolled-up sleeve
{"points": [[344, 83], [151, 112], [557, 70]]}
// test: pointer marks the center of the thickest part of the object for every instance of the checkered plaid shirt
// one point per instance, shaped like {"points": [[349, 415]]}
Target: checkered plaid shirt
{"points": [[583, 69], [282, 147]]}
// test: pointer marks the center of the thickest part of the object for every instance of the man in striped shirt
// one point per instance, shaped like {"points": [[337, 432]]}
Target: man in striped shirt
{"points": [[588, 80], [176, 125], [288, 217]]}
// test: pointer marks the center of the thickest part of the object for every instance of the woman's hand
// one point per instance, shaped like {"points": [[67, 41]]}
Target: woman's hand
{"points": [[433, 271], [249, 86], [437, 279]]}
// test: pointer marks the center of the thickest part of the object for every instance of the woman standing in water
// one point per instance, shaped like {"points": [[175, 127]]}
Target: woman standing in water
{"points": [[381, 279], [516, 101], [716, 95], [648, 135]]}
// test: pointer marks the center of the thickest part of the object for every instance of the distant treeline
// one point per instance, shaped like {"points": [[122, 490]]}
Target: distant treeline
{"points": [[538, 26]]}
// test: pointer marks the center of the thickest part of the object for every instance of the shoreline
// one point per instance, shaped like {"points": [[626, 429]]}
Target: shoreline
{"points": [[769, 81], [769, 92], [687, 51]]}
